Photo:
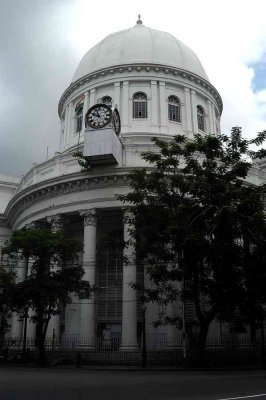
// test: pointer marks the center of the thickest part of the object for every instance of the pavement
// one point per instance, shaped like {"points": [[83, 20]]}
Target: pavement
{"points": [[31, 383]]}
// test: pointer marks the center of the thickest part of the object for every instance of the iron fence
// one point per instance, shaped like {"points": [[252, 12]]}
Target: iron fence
{"points": [[225, 351]]}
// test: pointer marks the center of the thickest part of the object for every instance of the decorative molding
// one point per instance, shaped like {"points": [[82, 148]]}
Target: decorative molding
{"points": [[89, 217], [138, 68], [34, 195], [56, 222]]}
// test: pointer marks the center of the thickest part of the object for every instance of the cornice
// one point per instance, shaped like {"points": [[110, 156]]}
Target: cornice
{"points": [[54, 188], [140, 67]]}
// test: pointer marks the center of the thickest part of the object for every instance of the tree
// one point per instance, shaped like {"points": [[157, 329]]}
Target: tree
{"points": [[195, 219], [53, 277], [6, 284]]}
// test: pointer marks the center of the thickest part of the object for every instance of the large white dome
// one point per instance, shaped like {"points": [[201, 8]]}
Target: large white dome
{"points": [[139, 45]]}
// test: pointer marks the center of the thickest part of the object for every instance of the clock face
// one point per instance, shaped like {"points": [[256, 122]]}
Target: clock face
{"points": [[98, 116], [116, 121]]}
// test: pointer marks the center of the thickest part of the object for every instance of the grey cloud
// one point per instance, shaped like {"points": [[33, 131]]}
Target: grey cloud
{"points": [[36, 66]]}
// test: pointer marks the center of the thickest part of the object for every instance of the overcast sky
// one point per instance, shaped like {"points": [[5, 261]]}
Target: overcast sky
{"points": [[42, 41]]}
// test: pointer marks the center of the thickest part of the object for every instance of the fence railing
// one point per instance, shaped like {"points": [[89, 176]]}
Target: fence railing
{"points": [[158, 350]]}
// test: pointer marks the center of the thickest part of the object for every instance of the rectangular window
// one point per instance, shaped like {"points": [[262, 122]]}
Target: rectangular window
{"points": [[79, 123], [140, 109], [173, 113], [201, 122]]}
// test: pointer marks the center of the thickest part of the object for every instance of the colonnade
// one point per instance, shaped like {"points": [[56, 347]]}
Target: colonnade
{"points": [[87, 327]]}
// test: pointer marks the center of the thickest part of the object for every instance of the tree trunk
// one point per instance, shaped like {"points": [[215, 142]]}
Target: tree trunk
{"points": [[40, 339], [201, 341]]}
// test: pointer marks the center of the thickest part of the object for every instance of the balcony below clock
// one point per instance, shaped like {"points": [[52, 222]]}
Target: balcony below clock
{"points": [[102, 146]]}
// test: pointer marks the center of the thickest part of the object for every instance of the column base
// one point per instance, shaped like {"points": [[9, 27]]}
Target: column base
{"points": [[91, 346], [129, 347]]}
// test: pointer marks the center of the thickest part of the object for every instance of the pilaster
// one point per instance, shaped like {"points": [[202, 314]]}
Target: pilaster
{"points": [[154, 103], [117, 95], [70, 123], [194, 111], [65, 126], [188, 111], [92, 97], [162, 103], [85, 109], [125, 111]]}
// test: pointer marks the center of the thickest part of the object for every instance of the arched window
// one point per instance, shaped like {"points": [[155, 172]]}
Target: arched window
{"points": [[201, 118], [174, 109], [140, 105], [107, 100], [79, 117]]}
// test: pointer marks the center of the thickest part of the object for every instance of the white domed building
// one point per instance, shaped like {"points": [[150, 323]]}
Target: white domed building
{"points": [[160, 89]]}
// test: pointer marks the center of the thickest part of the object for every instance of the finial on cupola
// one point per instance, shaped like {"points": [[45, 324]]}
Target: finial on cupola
{"points": [[139, 22]]}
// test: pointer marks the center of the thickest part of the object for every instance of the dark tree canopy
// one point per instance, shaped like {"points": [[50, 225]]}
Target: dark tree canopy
{"points": [[197, 220], [6, 284]]}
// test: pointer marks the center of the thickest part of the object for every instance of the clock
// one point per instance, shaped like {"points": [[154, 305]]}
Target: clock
{"points": [[98, 116], [116, 121]]}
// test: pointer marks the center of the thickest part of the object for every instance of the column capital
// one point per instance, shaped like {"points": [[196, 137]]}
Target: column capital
{"points": [[89, 216], [56, 222], [127, 215], [31, 225]]}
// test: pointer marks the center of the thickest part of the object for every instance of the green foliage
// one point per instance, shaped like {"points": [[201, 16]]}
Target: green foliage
{"points": [[54, 275], [196, 219], [6, 284], [82, 161]]}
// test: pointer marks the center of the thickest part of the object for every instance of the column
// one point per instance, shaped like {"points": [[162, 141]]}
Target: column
{"points": [[21, 274], [171, 330], [188, 111], [125, 104], [117, 95], [31, 326], [85, 109], [129, 300], [53, 330], [87, 306], [194, 111], [154, 104], [162, 103]]}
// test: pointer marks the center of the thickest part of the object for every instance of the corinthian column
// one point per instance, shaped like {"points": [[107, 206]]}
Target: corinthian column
{"points": [[87, 306], [129, 302], [21, 274], [53, 330]]}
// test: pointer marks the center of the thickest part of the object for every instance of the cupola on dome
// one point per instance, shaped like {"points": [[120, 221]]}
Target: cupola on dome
{"points": [[139, 45]]}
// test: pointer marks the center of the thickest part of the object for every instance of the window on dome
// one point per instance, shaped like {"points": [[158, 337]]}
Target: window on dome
{"points": [[107, 100], [174, 113], [201, 118], [79, 117], [140, 105]]}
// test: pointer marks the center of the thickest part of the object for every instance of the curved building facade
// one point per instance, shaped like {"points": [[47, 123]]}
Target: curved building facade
{"points": [[160, 89]]}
